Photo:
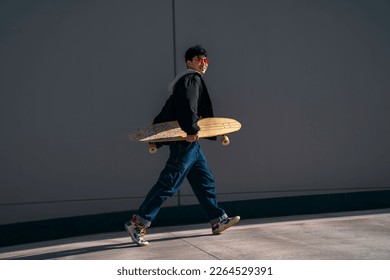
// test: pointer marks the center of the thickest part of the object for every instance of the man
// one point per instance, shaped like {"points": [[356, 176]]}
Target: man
{"points": [[189, 101]]}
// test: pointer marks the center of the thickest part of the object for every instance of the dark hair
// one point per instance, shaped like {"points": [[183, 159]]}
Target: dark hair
{"points": [[193, 51]]}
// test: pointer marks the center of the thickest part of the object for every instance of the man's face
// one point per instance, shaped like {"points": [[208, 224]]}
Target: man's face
{"points": [[198, 63]]}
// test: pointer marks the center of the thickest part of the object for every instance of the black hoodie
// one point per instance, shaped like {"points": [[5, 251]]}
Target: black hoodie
{"points": [[188, 102]]}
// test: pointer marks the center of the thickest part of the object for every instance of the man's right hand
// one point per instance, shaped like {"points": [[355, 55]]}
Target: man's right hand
{"points": [[192, 138]]}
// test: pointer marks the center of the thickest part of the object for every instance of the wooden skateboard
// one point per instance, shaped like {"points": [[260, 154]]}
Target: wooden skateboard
{"points": [[171, 131]]}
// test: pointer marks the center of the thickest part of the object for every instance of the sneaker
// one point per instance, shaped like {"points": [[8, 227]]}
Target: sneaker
{"points": [[224, 224], [137, 231]]}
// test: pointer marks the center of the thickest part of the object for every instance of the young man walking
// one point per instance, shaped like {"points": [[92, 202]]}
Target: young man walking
{"points": [[189, 101]]}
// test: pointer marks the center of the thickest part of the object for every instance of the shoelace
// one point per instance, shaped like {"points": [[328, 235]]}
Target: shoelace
{"points": [[141, 230]]}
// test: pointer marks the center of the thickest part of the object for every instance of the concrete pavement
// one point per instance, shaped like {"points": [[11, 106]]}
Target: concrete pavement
{"points": [[361, 235]]}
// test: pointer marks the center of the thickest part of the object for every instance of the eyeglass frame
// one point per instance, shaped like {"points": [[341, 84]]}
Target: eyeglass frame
{"points": [[200, 60]]}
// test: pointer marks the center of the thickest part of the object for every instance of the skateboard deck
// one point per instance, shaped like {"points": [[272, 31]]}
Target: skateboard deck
{"points": [[171, 131]]}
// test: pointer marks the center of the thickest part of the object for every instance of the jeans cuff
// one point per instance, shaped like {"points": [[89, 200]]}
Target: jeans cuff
{"points": [[142, 221], [219, 219]]}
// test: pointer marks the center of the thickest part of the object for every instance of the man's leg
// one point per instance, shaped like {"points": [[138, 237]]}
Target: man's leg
{"points": [[181, 158], [202, 183]]}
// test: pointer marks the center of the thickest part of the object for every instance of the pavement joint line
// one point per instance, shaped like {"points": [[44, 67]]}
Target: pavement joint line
{"points": [[189, 243]]}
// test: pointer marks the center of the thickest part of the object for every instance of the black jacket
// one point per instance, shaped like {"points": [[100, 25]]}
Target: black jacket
{"points": [[188, 102]]}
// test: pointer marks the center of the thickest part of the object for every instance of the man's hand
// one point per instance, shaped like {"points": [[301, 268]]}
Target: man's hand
{"points": [[192, 138]]}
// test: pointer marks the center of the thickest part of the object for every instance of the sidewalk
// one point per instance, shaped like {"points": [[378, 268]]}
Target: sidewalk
{"points": [[363, 235]]}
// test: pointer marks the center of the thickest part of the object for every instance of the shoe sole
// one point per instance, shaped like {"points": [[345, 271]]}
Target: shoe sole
{"points": [[132, 237], [232, 223]]}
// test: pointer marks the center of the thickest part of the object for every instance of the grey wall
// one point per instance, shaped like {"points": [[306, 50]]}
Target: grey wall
{"points": [[307, 79]]}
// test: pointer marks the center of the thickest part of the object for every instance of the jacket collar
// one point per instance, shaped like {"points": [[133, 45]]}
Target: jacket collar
{"points": [[179, 76]]}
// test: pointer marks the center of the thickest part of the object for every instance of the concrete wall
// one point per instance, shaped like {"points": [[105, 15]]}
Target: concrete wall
{"points": [[307, 79]]}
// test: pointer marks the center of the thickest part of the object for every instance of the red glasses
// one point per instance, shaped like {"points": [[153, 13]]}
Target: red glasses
{"points": [[200, 60]]}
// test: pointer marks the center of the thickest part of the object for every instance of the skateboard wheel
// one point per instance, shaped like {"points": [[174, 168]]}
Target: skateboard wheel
{"points": [[225, 140], [152, 148]]}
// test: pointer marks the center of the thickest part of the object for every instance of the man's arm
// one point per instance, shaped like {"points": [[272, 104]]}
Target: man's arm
{"points": [[187, 106]]}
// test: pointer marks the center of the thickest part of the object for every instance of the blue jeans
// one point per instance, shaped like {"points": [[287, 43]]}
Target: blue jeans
{"points": [[186, 160]]}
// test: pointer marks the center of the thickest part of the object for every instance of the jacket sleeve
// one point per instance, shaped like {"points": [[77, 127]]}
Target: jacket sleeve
{"points": [[187, 106]]}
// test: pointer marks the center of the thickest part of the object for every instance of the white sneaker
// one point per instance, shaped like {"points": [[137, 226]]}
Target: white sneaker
{"points": [[137, 231]]}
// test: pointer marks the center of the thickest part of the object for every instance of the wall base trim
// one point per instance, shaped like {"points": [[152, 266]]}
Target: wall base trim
{"points": [[27, 232]]}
